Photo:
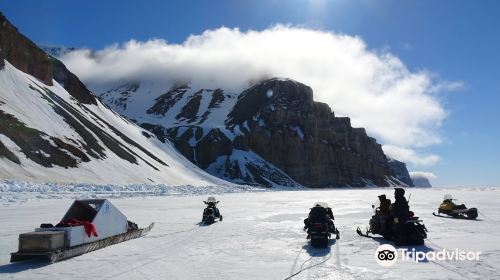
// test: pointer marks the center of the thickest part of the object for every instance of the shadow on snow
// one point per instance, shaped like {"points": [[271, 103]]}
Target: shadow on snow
{"points": [[319, 252], [22, 266]]}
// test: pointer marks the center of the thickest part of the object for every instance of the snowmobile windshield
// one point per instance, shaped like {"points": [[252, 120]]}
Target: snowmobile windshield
{"points": [[321, 204]]}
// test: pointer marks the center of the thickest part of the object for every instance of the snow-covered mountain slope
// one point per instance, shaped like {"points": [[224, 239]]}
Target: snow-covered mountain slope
{"points": [[286, 138], [47, 135], [260, 237], [194, 119]]}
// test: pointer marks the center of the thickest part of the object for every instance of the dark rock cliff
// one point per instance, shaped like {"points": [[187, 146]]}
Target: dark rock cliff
{"points": [[304, 138], [279, 121], [400, 171], [23, 54]]}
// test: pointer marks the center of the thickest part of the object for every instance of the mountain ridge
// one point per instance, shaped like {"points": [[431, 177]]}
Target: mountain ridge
{"points": [[275, 120], [53, 129], [272, 133]]}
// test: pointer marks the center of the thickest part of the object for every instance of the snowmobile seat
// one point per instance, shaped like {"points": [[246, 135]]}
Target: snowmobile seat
{"points": [[460, 207]]}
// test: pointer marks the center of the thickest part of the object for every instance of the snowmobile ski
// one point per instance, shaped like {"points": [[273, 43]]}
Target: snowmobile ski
{"points": [[360, 233], [461, 217]]}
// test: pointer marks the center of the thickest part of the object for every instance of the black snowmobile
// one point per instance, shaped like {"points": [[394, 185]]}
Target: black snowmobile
{"points": [[211, 213], [448, 207], [410, 232], [319, 225]]}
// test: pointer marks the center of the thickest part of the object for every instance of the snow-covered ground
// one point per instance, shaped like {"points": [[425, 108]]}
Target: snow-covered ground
{"points": [[261, 237], [15, 192]]}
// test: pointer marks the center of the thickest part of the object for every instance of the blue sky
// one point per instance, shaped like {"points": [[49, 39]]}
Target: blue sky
{"points": [[455, 40]]}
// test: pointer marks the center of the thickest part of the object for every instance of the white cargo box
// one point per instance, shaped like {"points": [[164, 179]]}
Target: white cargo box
{"points": [[105, 217]]}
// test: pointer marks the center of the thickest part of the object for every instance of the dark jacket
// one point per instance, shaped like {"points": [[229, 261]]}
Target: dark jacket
{"points": [[318, 214], [400, 209], [384, 207]]}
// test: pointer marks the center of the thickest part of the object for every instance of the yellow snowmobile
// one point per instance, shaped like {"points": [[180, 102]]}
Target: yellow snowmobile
{"points": [[453, 210]]}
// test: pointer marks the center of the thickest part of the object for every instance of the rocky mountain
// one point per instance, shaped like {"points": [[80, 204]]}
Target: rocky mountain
{"points": [[400, 171], [420, 181], [272, 133], [53, 129], [57, 51]]}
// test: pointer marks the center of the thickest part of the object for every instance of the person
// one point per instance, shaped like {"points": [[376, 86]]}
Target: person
{"points": [[449, 205], [383, 213], [212, 204], [385, 204], [399, 212], [320, 213]]}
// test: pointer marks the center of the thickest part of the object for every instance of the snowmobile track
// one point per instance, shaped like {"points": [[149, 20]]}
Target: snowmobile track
{"points": [[302, 268], [261, 238], [185, 240], [465, 271], [297, 258]]}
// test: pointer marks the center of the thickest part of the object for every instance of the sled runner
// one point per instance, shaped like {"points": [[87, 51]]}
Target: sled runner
{"points": [[414, 234], [87, 226], [470, 215]]}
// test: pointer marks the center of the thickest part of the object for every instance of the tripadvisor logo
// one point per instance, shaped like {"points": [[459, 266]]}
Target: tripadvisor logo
{"points": [[387, 255]]}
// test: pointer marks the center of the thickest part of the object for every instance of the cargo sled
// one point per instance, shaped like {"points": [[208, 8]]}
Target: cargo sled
{"points": [[88, 225]]}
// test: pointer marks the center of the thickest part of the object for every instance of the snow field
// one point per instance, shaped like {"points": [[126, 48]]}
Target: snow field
{"points": [[261, 237]]}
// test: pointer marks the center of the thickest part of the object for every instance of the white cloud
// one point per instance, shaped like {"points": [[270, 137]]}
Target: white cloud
{"points": [[410, 156], [421, 174], [447, 86], [397, 106]]}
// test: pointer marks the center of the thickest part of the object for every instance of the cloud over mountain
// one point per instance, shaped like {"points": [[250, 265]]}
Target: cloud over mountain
{"points": [[400, 107]]}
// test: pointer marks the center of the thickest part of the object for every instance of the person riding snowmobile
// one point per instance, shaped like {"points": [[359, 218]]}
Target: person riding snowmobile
{"points": [[383, 213], [320, 213], [211, 211], [399, 213], [385, 204], [450, 208], [398, 224], [399, 210], [449, 205]]}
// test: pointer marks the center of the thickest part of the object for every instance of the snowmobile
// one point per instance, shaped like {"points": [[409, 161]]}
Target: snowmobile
{"points": [[448, 207], [211, 213], [88, 225], [413, 232], [320, 226]]}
